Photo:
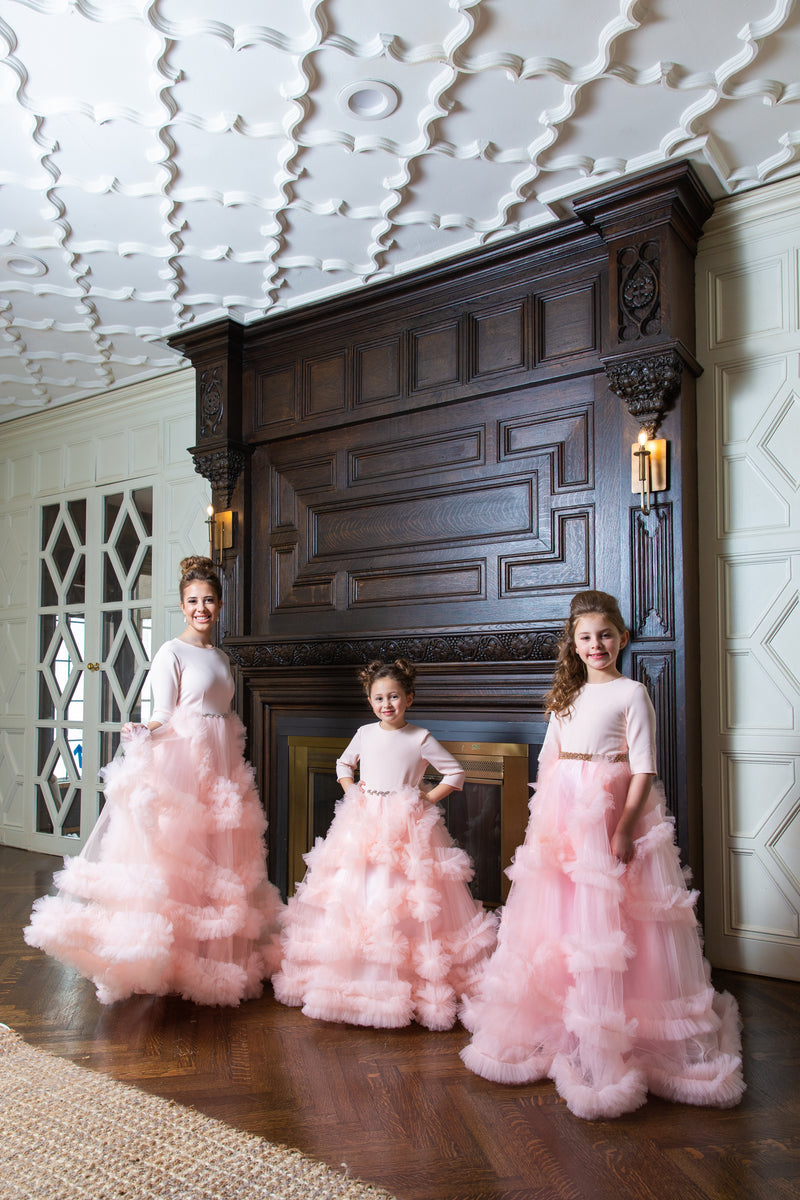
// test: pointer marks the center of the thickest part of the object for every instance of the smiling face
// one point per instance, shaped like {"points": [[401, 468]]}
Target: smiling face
{"points": [[201, 607], [598, 643], [389, 702]]}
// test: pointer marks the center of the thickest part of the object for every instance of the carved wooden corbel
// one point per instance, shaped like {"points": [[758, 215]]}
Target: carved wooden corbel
{"points": [[222, 467], [648, 383]]}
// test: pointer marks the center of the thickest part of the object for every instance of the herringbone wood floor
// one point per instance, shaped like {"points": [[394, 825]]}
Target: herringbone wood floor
{"points": [[397, 1106]]}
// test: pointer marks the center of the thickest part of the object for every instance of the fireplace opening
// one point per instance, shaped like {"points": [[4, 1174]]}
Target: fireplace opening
{"points": [[487, 818]]}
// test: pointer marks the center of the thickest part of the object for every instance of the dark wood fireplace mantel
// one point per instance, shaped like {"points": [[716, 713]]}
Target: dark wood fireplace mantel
{"points": [[433, 466]]}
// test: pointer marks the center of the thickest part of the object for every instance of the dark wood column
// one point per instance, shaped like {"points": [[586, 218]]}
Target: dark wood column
{"points": [[220, 454], [648, 356]]}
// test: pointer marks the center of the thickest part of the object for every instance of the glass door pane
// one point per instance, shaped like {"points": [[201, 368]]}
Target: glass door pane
{"points": [[126, 614], [61, 673]]}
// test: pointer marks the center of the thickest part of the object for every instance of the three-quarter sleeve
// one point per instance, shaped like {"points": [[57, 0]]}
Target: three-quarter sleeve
{"points": [[551, 746], [641, 733], [442, 760], [165, 683], [346, 765]]}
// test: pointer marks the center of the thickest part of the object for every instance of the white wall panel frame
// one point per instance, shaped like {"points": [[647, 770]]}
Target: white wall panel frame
{"points": [[749, 454]]}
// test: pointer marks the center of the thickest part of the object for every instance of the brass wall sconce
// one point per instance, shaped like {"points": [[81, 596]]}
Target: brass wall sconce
{"points": [[220, 533], [648, 467]]}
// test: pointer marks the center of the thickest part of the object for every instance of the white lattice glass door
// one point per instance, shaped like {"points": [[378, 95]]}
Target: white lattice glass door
{"points": [[126, 612], [62, 670], [95, 624]]}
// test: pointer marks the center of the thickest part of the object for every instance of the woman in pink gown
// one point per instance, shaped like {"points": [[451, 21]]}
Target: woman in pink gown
{"points": [[383, 929], [170, 892], [598, 980]]}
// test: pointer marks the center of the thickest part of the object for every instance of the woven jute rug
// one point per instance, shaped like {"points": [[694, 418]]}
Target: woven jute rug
{"points": [[69, 1133]]}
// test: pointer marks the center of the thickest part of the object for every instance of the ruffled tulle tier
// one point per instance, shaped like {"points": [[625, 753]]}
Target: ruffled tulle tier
{"points": [[599, 981], [170, 892], [383, 930]]}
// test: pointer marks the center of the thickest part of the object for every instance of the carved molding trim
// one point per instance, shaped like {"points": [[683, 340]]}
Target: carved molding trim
{"points": [[508, 646], [657, 672], [221, 467], [211, 400], [648, 383], [229, 572], [652, 573]]}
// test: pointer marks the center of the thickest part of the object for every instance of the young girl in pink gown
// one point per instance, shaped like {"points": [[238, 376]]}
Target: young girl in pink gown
{"points": [[170, 892], [598, 980], [383, 929]]}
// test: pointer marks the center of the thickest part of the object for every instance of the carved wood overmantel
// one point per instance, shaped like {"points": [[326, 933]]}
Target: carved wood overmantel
{"points": [[434, 465]]}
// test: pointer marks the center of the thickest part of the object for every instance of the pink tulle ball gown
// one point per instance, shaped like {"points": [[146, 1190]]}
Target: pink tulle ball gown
{"points": [[170, 894], [383, 930], [598, 980]]}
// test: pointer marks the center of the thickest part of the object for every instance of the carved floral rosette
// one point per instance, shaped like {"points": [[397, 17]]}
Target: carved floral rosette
{"points": [[211, 400], [639, 291]]}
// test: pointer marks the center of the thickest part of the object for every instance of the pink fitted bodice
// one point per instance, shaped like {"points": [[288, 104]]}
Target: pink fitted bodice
{"points": [[195, 677], [394, 758], [608, 719]]}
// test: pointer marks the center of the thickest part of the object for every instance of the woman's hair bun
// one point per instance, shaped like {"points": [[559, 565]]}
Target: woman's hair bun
{"points": [[197, 562]]}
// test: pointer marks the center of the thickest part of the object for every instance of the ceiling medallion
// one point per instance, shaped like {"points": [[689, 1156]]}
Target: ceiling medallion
{"points": [[369, 99], [23, 264]]}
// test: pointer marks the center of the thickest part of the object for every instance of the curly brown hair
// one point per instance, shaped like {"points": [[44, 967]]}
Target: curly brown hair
{"points": [[196, 567], [570, 672], [401, 671]]}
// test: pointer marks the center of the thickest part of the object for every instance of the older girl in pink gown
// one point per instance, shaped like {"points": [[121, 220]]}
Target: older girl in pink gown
{"points": [[383, 929], [170, 892], [598, 980]]}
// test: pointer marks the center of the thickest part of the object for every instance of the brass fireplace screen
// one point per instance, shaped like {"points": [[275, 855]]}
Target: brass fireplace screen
{"points": [[487, 818]]}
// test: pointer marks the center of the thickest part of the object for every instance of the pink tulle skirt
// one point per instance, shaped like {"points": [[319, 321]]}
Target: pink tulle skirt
{"points": [[599, 981], [383, 930], [170, 892]]}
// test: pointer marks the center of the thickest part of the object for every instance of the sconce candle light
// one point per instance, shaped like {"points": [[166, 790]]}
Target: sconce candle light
{"points": [[220, 533], [648, 467]]}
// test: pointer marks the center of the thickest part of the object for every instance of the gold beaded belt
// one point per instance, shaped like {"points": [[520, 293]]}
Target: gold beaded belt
{"points": [[610, 758]]}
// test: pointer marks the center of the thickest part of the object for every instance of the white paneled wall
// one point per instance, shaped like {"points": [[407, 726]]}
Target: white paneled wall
{"points": [[749, 441], [136, 436]]}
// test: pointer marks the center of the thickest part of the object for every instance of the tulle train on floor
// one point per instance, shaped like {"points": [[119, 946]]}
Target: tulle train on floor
{"points": [[170, 892], [383, 929], [599, 980]]}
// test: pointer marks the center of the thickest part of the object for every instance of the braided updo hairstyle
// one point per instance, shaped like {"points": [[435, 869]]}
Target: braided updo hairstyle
{"points": [[196, 567], [401, 671], [570, 673]]}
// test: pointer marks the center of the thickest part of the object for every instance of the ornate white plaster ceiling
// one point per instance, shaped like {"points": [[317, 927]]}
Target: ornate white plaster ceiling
{"points": [[168, 162]]}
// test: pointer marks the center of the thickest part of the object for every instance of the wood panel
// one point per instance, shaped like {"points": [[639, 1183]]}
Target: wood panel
{"points": [[379, 370], [506, 318], [499, 339], [489, 510], [568, 322]]}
